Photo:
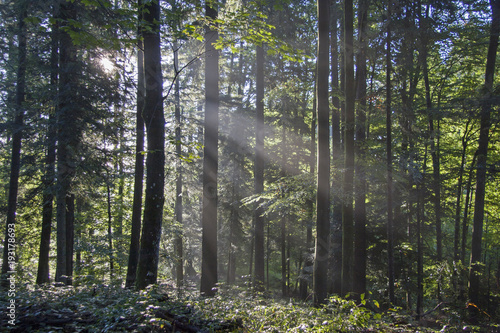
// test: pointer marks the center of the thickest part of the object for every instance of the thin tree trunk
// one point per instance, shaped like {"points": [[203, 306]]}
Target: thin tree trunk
{"points": [[359, 284], [259, 172], [8, 264], [179, 264], [390, 231], [210, 160], [135, 233], [322, 248], [348, 183], [43, 274], [70, 237], [336, 223], [147, 269], [110, 234], [67, 137]]}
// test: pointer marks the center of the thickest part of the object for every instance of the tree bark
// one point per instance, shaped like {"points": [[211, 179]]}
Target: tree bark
{"points": [[477, 230], [154, 120], [43, 274], [336, 223], [348, 183], [390, 227], [179, 263], [68, 137], [135, 233], [8, 264], [259, 171], [210, 159], [322, 248], [359, 283]]}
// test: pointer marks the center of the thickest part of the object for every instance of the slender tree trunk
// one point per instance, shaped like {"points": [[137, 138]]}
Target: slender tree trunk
{"points": [[179, 266], [458, 205], [210, 160], [110, 235], [477, 229], [135, 233], [8, 263], [43, 274], [68, 137], [70, 237], [336, 223], [390, 227], [359, 284], [147, 269], [323, 179], [348, 183], [259, 171]]}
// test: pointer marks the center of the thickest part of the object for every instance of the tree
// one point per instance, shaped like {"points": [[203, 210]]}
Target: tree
{"points": [[477, 231], [68, 138], [8, 264], [210, 157], [147, 269], [323, 178], [43, 274], [359, 283], [135, 233], [348, 182], [259, 171], [388, 103]]}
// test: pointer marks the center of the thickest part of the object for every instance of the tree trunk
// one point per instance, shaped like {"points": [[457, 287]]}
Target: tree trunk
{"points": [[477, 230], [348, 183], [8, 263], [359, 283], [336, 223], [210, 159], [70, 237], [154, 120], [179, 263], [43, 274], [68, 136], [390, 228], [259, 172], [110, 234], [135, 233], [322, 248]]}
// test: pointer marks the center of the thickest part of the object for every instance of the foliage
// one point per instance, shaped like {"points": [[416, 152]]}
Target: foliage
{"points": [[110, 308]]}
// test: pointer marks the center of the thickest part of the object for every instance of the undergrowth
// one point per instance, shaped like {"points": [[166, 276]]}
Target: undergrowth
{"points": [[101, 308]]}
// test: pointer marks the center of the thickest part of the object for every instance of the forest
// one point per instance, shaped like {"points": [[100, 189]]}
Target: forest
{"points": [[250, 166]]}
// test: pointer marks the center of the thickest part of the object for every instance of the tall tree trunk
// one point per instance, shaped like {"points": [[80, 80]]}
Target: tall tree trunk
{"points": [[70, 236], [458, 205], [323, 179], [424, 23], [359, 283], [179, 266], [336, 223], [68, 137], [8, 264], [43, 274], [110, 234], [390, 227], [477, 230], [308, 260], [210, 158], [135, 233], [348, 183], [147, 269], [259, 171]]}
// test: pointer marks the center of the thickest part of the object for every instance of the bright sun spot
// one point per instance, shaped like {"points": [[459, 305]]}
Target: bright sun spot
{"points": [[107, 65]]}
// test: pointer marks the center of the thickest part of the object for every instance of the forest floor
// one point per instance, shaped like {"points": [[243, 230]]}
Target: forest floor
{"points": [[101, 308]]}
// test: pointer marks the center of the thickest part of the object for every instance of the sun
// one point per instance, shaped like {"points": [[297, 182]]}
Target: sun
{"points": [[107, 65]]}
